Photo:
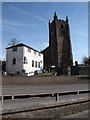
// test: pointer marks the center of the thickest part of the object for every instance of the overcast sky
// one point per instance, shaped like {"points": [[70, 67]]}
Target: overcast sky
{"points": [[28, 23]]}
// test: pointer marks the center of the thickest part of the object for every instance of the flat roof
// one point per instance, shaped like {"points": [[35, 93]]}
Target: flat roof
{"points": [[21, 45]]}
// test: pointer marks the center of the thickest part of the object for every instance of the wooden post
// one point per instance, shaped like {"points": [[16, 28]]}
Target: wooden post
{"points": [[78, 92], [57, 96]]}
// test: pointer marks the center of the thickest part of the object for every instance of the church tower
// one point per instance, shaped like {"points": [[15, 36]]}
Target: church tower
{"points": [[59, 52], [60, 45]]}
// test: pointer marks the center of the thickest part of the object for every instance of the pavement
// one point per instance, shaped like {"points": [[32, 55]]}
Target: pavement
{"points": [[44, 108], [27, 89], [83, 114], [34, 102]]}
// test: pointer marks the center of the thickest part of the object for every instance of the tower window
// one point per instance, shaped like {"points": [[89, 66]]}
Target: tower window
{"points": [[14, 61], [62, 26], [61, 32], [52, 33]]}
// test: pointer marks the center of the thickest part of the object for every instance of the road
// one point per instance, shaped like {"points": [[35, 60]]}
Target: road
{"points": [[12, 90]]}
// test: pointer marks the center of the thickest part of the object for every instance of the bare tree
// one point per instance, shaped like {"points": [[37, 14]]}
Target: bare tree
{"points": [[86, 60], [13, 42]]}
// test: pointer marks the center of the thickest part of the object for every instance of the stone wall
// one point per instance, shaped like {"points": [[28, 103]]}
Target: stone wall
{"points": [[59, 52], [80, 70]]}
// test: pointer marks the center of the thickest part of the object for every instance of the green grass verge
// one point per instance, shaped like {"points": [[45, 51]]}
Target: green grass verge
{"points": [[83, 76], [46, 74]]}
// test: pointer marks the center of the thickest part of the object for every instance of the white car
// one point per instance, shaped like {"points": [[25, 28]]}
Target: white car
{"points": [[29, 74]]}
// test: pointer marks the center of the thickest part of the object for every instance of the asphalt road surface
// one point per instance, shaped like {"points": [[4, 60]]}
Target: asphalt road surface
{"points": [[12, 90]]}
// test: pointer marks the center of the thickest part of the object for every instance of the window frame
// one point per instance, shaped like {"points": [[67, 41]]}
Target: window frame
{"points": [[39, 54], [32, 63], [14, 61], [34, 52], [14, 49], [38, 64], [29, 49], [25, 60]]}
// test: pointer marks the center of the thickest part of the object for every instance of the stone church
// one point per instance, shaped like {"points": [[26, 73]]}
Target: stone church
{"points": [[58, 55]]}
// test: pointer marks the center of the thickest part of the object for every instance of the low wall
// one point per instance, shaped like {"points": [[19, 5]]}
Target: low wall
{"points": [[80, 70]]}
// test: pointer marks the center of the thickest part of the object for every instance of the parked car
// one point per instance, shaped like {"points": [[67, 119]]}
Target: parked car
{"points": [[4, 73], [37, 72], [29, 74]]}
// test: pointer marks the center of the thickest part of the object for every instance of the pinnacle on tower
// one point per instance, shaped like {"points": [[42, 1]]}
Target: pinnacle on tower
{"points": [[49, 21], [55, 16], [67, 18]]}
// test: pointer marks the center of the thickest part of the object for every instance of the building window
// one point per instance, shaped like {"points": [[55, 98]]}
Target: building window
{"points": [[14, 49], [38, 64], [32, 63], [39, 54], [29, 50], [25, 60], [14, 61], [35, 63], [34, 52], [41, 61]]}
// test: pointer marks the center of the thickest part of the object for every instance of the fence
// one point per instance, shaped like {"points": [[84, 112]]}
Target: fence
{"points": [[56, 95]]}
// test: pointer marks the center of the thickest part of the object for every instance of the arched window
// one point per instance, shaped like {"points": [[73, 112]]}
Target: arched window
{"points": [[25, 59], [14, 61]]}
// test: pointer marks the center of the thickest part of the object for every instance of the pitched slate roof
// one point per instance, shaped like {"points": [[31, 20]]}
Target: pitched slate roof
{"points": [[22, 45]]}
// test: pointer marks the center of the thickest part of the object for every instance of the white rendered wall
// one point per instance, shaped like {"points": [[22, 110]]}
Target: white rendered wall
{"points": [[14, 68], [31, 56], [19, 55]]}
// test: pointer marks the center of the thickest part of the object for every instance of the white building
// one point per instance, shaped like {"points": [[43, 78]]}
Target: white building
{"points": [[23, 58]]}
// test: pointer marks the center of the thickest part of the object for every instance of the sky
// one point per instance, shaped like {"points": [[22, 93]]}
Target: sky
{"points": [[28, 23]]}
